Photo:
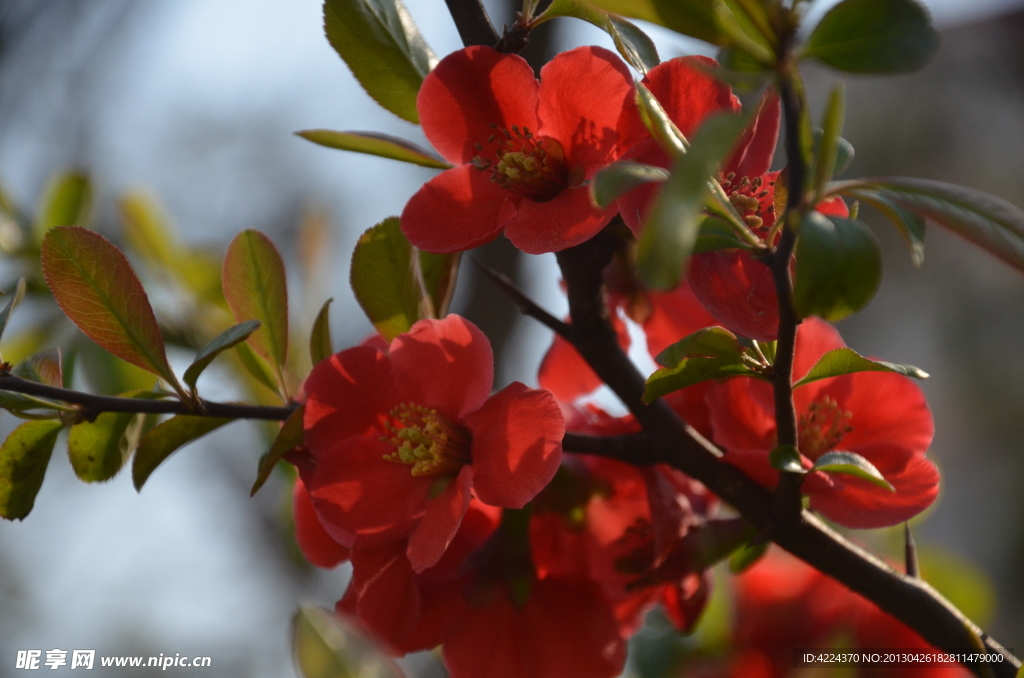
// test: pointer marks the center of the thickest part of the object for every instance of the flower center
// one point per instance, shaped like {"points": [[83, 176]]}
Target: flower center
{"points": [[822, 427], [752, 198], [425, 440], [520, 162]]}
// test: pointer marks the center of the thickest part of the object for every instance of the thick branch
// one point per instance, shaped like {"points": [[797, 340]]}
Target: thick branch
{"points": [[93, 405], [668, 439], [475, 27]]}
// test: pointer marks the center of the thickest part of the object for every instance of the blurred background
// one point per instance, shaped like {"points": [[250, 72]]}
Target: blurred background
{"points": [[194, 102]]}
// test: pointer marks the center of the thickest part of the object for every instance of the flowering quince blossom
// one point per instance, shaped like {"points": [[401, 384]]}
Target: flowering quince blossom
{"points": [[734, 287], [782, 604], [523, 149], [881, 416], [399, 442]]}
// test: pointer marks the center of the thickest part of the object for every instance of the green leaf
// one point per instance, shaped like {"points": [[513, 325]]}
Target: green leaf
{"points": [[383, 48], [838, 267], [66, 202], [695, 18], [19, 296], [255, 288], [989, 222], [44, 367], [166, 438], [384, 279], [710, 353], [846, 361], [671, 231], [24, 457], [632, 43], [658, 123], [786, 458], [320, 345], [376, 143], [745, 558], [290, 435], [440, 272], [874, 36], [844, 151], [716, 234], [97, 289], [621, 177], [255, 366], [910, 225], [148, 232], [710, 342], [223, 341], [327, 647], [827, 151], [851, 463], [100, 448]]}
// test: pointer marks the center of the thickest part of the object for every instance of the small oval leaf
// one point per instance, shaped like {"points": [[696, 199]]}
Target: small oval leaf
{"points": [[846, 361], [166, 438], [24, 457], [320, 345], [290, 435], [97, 289], [440, 272], [376, 143], [786, 458], [255, 366], [621, 177], [384, 279], [223, 341], [838, 267], [381, 45], [100, 448], [632, 43], [852, 464], [43, 367], [874, 36], [255, 288], [66, 202]]}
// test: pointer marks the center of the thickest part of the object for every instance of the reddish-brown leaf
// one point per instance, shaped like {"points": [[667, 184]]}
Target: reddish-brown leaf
{"points": [[97, 289], [254, 285]]}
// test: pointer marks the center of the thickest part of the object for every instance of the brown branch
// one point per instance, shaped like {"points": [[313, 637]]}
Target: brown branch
{"points": [[667, 439], [527, 306], [475, 27], [93, 405]]}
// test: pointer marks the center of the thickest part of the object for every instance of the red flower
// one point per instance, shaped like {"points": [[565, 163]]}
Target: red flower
{"points": [[523, 149], [734, 287], [880, 416], [317, 546], [565, 629], [399, 440]]}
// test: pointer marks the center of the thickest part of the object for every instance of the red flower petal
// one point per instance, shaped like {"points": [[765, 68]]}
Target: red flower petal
{"points": [[756, 148], [887, 408], [635, 205], [445, 364], [551, 226], [517, 445], [316, 545], [387, 598], [356, 491], [738, 291], [688, 94], [470, 90], [348, 395], [674, 315], [857, 503], [565, 373], [457, 210], [440, 522], [587, 103], [565, 630], [742, 415]]}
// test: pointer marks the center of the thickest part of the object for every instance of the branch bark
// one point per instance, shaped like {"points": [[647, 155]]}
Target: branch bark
{"points": [[668, 439], [475, 27]]}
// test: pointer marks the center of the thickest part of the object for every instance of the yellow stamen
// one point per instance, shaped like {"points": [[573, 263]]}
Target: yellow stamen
{"points": [[427, 441]]}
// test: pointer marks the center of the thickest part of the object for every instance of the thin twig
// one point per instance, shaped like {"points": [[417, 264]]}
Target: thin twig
{"points": [[475, 27], [526, 305], [93, 405]]}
